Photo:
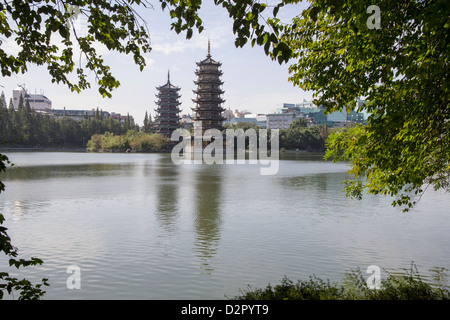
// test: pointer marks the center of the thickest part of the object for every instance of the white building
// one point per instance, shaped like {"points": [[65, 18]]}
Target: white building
{"points": [[37, 101]]}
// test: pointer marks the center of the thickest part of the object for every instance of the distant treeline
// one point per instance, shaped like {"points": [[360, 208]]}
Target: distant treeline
{"points": [[25, 127]]}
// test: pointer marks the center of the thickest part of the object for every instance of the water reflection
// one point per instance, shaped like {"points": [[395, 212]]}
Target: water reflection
{"points": [[167, 203], [208, 219], [317, 183], [142, 227], [18, 210], [67, 171], [302, 156]]}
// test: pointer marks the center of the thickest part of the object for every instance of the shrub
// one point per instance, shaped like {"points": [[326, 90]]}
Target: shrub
{"points": [[405, 286]]}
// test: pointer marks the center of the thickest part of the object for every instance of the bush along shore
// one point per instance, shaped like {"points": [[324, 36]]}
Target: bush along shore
{"points": [[405, 286], [131, 141]]}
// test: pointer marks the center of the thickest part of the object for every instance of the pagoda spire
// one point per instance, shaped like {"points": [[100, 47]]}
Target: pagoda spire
{"points": [[209, 48]]}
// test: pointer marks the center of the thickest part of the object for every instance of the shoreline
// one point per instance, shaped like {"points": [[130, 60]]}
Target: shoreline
{"points": [[42, 149], [79, 149]]}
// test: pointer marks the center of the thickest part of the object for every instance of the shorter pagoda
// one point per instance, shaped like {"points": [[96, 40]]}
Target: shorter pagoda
{"points": [[167, 117]]}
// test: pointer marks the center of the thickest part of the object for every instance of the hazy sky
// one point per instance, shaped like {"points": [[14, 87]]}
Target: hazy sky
{"points": [[252, 81]]}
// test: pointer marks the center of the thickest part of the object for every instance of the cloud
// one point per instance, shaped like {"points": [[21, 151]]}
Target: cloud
{"points": [[172, 43], [169, 47], [149, 62], [152, 66], [10, 47]]}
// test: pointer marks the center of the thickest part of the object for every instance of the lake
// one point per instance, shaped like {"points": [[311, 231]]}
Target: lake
{"points": [[140, 227]]}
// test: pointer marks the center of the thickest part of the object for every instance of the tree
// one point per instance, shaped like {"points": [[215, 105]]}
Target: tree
{"points": [[116, 25], [324, 132], [402, 70], [4, 119], [298, 123], [146, 127], [252, 22], [26, 122], [151, 124], [47, 35], [12, 116], [394, 54], [299, 136]]}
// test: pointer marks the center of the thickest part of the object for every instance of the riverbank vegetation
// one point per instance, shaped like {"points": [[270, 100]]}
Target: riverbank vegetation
{"points": [[296, 137], [409, 285], [131, 141]]}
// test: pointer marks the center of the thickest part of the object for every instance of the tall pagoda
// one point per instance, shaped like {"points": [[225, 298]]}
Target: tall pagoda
{"points": [[167, 117], [208, 109]]}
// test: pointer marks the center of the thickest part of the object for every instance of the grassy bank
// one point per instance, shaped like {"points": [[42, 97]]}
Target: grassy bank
{"points": [[406, 286]]}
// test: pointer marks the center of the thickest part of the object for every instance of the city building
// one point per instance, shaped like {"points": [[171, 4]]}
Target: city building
{"points": [[76, 114], [208, 109], [314, 115], [36, 101], [247, 120], [240, 114], [121, 118], [228, 115], [280, 120], [186, 121], [42, 104], [167, 117]]}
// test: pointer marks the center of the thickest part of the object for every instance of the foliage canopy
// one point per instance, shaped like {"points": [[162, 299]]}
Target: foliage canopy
{"points": [[402, 71], [45, 34], [400, 68]]}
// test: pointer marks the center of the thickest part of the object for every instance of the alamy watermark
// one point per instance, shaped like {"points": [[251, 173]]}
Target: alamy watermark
{"points": [[374, 20], [212, 146], [374, 280], [74, 280], [73, 12]]}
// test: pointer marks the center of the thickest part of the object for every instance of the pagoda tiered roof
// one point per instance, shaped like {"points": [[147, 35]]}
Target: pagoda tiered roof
{"points": [[208, 72], [216, 82], [168, 86]]}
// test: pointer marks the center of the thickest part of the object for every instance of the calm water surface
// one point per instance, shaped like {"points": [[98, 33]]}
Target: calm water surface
{"points": [[140, 227]]}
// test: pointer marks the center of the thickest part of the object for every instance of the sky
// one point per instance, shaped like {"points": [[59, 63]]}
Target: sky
{"points": [[252, 81]]}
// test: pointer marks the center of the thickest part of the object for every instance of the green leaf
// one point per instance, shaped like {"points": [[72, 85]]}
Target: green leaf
{"points": [[63, 31], [314, 12]]}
